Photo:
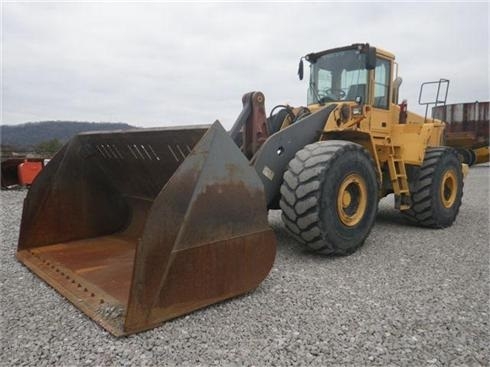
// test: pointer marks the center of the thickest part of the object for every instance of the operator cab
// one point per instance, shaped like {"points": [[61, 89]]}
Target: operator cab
{"points": [[343, 74]]}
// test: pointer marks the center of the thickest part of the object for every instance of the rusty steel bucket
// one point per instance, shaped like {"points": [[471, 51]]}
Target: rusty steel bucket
{"points": [[139, 227]]}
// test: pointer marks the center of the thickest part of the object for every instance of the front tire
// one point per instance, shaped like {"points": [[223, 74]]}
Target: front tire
{"points": [[438, 190], [329, 196]]}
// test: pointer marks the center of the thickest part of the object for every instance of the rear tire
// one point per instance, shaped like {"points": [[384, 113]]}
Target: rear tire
{"points": [[437, 193], [329, 196]]}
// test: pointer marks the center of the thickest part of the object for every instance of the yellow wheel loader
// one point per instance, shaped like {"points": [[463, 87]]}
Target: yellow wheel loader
{"points": [[139, 227]]}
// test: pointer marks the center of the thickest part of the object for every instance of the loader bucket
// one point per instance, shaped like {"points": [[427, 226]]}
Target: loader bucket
{"points": [[139, 227]]}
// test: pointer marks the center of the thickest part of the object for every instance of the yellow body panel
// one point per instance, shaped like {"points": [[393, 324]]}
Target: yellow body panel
{"points": [[412, 137]]}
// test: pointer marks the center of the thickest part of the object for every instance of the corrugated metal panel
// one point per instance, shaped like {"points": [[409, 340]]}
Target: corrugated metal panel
{"points": [[467, 124], [462, 112]]}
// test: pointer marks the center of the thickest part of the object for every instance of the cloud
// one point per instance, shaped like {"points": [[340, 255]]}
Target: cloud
{"points": [[153, 64]]}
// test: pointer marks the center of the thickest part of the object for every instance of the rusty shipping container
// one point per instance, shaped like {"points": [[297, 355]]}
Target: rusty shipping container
{"points": [[467, 129]]}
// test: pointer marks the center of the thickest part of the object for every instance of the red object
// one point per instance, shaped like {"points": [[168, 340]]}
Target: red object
{"points": [[403, 112], [255, 130], [403, 106], [28, 171]]}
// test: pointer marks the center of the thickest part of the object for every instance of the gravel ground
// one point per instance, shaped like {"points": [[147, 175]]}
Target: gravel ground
{"points": [[408, 297]]}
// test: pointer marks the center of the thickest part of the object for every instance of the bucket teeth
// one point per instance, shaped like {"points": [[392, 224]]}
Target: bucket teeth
{"points": [[154, 223]]}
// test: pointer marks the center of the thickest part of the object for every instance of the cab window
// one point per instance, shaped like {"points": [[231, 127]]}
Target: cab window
{"points": [[382, 75]]}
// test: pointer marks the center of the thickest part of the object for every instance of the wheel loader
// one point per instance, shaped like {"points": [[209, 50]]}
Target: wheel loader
{"points": [[139, 227]]}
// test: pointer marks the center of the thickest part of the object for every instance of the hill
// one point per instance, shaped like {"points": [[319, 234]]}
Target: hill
{"points": [[28, 135]]}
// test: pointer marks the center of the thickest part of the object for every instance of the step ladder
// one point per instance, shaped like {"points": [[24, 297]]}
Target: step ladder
{"points": [[399, 180]]}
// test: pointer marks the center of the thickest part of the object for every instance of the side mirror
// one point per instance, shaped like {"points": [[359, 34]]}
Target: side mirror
{"points": [[371, 58], [300, 69]]}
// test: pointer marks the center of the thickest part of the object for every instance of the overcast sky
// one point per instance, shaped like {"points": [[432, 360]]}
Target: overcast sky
{"points": [[151, 64]]}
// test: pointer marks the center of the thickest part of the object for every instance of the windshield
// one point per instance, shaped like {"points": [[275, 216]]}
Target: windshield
{"points": [[338, 76]]}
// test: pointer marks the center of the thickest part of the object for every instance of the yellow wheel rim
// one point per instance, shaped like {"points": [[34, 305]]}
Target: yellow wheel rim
{"points": [[352, 200], [448, 188]]}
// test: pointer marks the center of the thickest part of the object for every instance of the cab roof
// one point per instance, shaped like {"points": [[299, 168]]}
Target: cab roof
{"points": [[313, 56]]}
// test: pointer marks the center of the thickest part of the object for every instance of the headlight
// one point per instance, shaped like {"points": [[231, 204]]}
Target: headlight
{"points": [[356, 111]]}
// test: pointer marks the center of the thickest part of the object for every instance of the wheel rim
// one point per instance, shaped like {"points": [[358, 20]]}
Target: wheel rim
{"points": [[448, 189], [352, 200]]}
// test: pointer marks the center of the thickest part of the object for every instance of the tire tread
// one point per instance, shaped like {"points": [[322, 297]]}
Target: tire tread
{"points": [[301, 188], [422, 211]]}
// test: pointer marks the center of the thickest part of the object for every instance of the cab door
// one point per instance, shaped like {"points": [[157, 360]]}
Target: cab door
{"points": [[380, 113]]}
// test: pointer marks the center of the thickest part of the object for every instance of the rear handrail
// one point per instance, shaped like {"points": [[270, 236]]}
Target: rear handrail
{"points": [[438, 98]]}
